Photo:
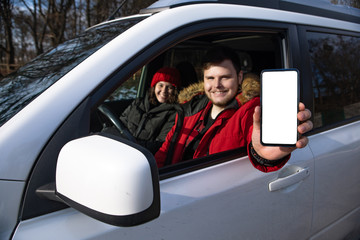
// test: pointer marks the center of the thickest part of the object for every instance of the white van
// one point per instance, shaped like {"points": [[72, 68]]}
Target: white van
{"points": [[102, 187]]}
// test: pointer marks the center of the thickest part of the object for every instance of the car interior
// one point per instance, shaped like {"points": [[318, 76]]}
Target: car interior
{"points": [[257, 51]]}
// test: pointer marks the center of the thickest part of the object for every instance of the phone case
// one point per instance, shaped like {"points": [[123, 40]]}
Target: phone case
{"points": [[279, 99]]}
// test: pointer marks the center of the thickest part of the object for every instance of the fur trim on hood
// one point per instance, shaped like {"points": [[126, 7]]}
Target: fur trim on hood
{"points": [[189, 92], [250, 88]]}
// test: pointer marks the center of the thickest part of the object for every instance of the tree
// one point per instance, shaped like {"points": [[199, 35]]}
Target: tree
{"points": [[37, 28], [351, 3], [6, 7], [56, 19], [31, 27]]}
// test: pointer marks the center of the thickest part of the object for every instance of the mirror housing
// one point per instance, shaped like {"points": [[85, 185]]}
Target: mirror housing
{"points": [[112, 180]]}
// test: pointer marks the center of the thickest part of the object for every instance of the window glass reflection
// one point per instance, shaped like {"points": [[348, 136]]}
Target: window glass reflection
{"points": [[335, 69], [21, 87]]}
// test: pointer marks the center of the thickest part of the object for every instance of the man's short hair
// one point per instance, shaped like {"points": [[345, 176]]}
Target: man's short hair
{"points": [[218, 54]]}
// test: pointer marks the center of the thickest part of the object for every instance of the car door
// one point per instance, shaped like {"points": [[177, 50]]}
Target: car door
{"points": [[230, 200], [333, 60], [221, 196]]}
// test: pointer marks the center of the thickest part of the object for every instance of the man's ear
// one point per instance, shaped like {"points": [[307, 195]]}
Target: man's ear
{"points": [[240, 77]]}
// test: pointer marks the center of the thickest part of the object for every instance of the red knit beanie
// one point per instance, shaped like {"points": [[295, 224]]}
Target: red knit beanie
{"points": [[167, 74]]}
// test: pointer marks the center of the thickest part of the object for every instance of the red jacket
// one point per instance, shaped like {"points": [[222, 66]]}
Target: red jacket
{"points": [[232, 129]]}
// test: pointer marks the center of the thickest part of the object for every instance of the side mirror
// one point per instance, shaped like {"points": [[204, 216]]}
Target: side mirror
{"points": [[114, 181]]}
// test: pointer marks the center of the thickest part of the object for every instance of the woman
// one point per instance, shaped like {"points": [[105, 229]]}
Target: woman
{"points": [[149, 119]]}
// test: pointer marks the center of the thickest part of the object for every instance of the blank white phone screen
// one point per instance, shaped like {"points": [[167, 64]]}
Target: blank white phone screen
{"points": [[279, 107]]}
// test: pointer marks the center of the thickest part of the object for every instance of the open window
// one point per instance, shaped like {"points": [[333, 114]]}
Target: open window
{"points": [[257, 50]]}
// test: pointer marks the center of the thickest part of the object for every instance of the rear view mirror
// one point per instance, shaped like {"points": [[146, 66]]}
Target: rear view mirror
{"points": [[109, 180]]}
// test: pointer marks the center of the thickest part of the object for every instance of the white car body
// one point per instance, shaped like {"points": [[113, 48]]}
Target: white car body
{"points": [[228, 200]]}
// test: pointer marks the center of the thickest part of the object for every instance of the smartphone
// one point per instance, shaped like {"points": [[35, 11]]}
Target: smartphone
{"points": [[279, 98]]}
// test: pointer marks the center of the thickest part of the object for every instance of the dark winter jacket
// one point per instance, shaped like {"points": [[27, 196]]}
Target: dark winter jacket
{"points": [[149, 124]]}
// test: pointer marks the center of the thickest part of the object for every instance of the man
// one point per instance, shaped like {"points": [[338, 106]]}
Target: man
{"points": [[218, 121]]}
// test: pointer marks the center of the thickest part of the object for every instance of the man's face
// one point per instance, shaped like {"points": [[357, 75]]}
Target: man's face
{"points": [[221, 83]]}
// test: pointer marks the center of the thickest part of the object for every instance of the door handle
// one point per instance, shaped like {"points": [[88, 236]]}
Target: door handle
{"points": [[289, 180]]}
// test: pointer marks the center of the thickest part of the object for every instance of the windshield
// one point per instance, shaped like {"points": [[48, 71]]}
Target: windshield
{"points": [[21, 87]]}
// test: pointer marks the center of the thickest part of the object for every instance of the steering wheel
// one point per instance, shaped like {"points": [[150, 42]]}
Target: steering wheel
{"points": [[108, 113]]}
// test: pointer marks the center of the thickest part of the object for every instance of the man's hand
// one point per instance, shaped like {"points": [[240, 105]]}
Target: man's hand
{"points": [[275, 153]]}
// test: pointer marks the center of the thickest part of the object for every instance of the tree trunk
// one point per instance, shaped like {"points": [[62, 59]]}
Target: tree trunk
{"points": [[6, 15]]}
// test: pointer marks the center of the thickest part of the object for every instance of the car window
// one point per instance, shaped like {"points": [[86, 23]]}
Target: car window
{"points": [[129, 90], [335, 69], [256, 50], [22, 86]]}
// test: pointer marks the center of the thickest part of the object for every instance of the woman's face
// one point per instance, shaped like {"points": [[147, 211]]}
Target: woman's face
{"points": [[163, 90]]}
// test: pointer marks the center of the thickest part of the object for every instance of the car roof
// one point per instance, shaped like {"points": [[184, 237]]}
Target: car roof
{"points": [[322, 8]]}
